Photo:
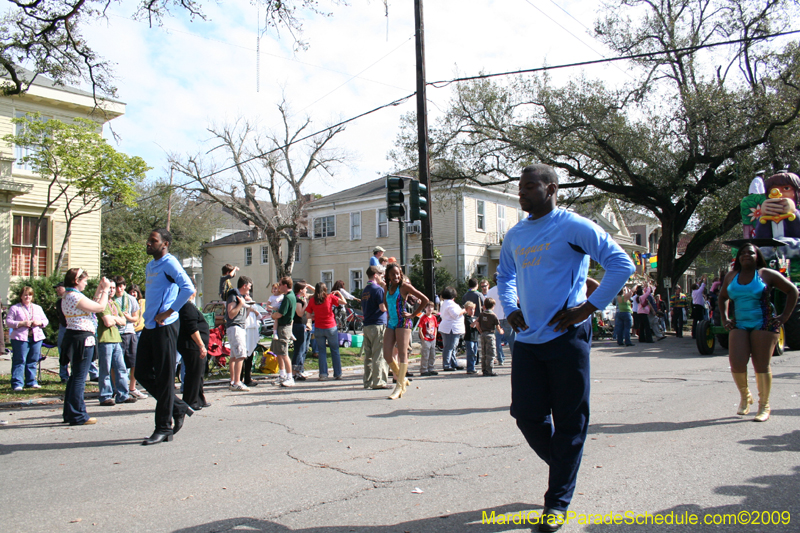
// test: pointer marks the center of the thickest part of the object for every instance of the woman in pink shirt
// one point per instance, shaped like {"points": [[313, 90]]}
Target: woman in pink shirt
{"points": [[25, 320], [645, 333]]}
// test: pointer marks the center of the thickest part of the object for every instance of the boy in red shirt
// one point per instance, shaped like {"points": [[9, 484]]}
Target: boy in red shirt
{"points": [[427, 339]]}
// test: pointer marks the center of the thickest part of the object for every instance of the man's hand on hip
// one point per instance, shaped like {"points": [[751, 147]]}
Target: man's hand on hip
{"points": [[571, 316], [517, 321]]}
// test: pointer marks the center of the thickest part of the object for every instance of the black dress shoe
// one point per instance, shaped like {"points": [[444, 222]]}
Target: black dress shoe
{"points": [[177, 422], [156, 438], [459, 368], [206, 404], [551, 520]]}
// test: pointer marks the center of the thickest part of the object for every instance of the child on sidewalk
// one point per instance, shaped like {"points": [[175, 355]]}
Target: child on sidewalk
{"points": [[471, 336], [427, 340], [487, 325]]}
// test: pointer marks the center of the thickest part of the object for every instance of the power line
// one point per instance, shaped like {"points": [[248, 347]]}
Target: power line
{"points": [[540, 10], [394, 103], [444, 83]]}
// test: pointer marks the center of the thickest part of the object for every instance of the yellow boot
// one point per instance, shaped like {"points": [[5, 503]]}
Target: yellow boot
{"points": [[396, 371], [764, 382], [740, 378], [400, 388]]}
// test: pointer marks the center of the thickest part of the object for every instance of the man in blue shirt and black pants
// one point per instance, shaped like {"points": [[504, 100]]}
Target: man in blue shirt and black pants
{"points": [[168, 288], [545, 260]]}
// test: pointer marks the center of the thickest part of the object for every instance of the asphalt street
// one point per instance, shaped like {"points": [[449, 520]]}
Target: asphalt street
{"points": [[331, 457]]}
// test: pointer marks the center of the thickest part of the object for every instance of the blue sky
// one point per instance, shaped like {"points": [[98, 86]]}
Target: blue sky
{"points": [[180, 78]]}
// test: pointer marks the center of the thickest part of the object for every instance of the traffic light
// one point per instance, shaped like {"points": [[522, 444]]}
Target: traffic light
{"points": [[395, 206], [418, 201]]}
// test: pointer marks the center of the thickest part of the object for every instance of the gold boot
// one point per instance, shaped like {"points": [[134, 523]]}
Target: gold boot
{"points": [[396, 371], [764, 382], [400, 388], [740, 378]]}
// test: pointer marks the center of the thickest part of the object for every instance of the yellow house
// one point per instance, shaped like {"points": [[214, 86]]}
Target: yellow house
{"points": [[468, 224], [250, 251], [23, 193]]}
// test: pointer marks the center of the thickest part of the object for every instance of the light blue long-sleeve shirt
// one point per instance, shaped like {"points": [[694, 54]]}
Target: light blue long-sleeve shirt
{"points": [[161, 293], [543, 261]]}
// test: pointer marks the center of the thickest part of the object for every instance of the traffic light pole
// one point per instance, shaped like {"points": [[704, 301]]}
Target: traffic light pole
{"points": [[402, 232], [424, 163]]}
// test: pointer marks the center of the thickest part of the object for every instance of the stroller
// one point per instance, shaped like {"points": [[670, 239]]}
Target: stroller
{"points": [[218, 353]]}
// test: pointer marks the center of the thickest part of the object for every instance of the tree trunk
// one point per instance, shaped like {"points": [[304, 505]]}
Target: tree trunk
{"points": [[64, 242]]}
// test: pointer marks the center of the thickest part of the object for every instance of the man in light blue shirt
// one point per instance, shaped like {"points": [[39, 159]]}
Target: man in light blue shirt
{"points": [[168, 288], [544, 261]]}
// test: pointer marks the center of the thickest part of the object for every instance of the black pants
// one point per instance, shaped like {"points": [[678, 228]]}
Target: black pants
{"points": [[155, 370], [698, 311], [645, 333], [193, 381], [247, 369], [677, 321]]}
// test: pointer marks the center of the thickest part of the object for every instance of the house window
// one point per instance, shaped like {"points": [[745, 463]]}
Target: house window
{"points": [[248, 256], [325, 227], [481, 215], [482, 271], [383, 223], [356, 280], [501, 221], [22, 151], [355, 226], [21, 242], [265, 255], [326, 277], [297, 253]]}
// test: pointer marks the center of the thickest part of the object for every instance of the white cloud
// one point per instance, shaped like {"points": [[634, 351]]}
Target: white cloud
{"points": [[179, 78]]}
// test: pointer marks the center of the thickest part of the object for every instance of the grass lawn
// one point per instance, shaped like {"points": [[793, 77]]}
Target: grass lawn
{"points": [[51, 386]]}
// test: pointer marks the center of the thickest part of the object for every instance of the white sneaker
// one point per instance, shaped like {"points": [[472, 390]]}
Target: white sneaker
{"points": [[139, 395], [240, 387], [279, 380], [288, 382]]}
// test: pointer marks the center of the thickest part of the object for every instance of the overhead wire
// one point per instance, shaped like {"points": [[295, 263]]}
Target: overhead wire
{"points": [[444, 83], [540, 10]]}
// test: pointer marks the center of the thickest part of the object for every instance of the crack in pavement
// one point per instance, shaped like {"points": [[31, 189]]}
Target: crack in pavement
{"points": [[293, 431]]}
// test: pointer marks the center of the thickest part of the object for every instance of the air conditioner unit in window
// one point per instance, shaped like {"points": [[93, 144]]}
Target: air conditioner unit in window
{"points": [[414, 227]]}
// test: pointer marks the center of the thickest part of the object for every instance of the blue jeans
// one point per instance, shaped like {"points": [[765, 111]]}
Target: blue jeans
{"points": [[450, 341], [302, 336], [111, 359], [24, 362], [472, 354], [74, 406], [622, 327], [64, 370], [509, 335], [331, 337]]}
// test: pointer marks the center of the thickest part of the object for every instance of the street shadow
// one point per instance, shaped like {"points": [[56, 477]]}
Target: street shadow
{"points": [[771, 498], [452, 523], [441, 412], [787, 375], [661, 427], [788, 442], [8, 449]]}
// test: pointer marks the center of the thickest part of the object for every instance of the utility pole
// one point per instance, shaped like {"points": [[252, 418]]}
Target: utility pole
{"points": [[169, 199], [422, 142]]}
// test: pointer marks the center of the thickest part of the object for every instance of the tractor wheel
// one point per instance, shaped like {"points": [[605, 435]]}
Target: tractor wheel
{"points": [[705, 339], [792, 329], [722, 338], [781, 346]]}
